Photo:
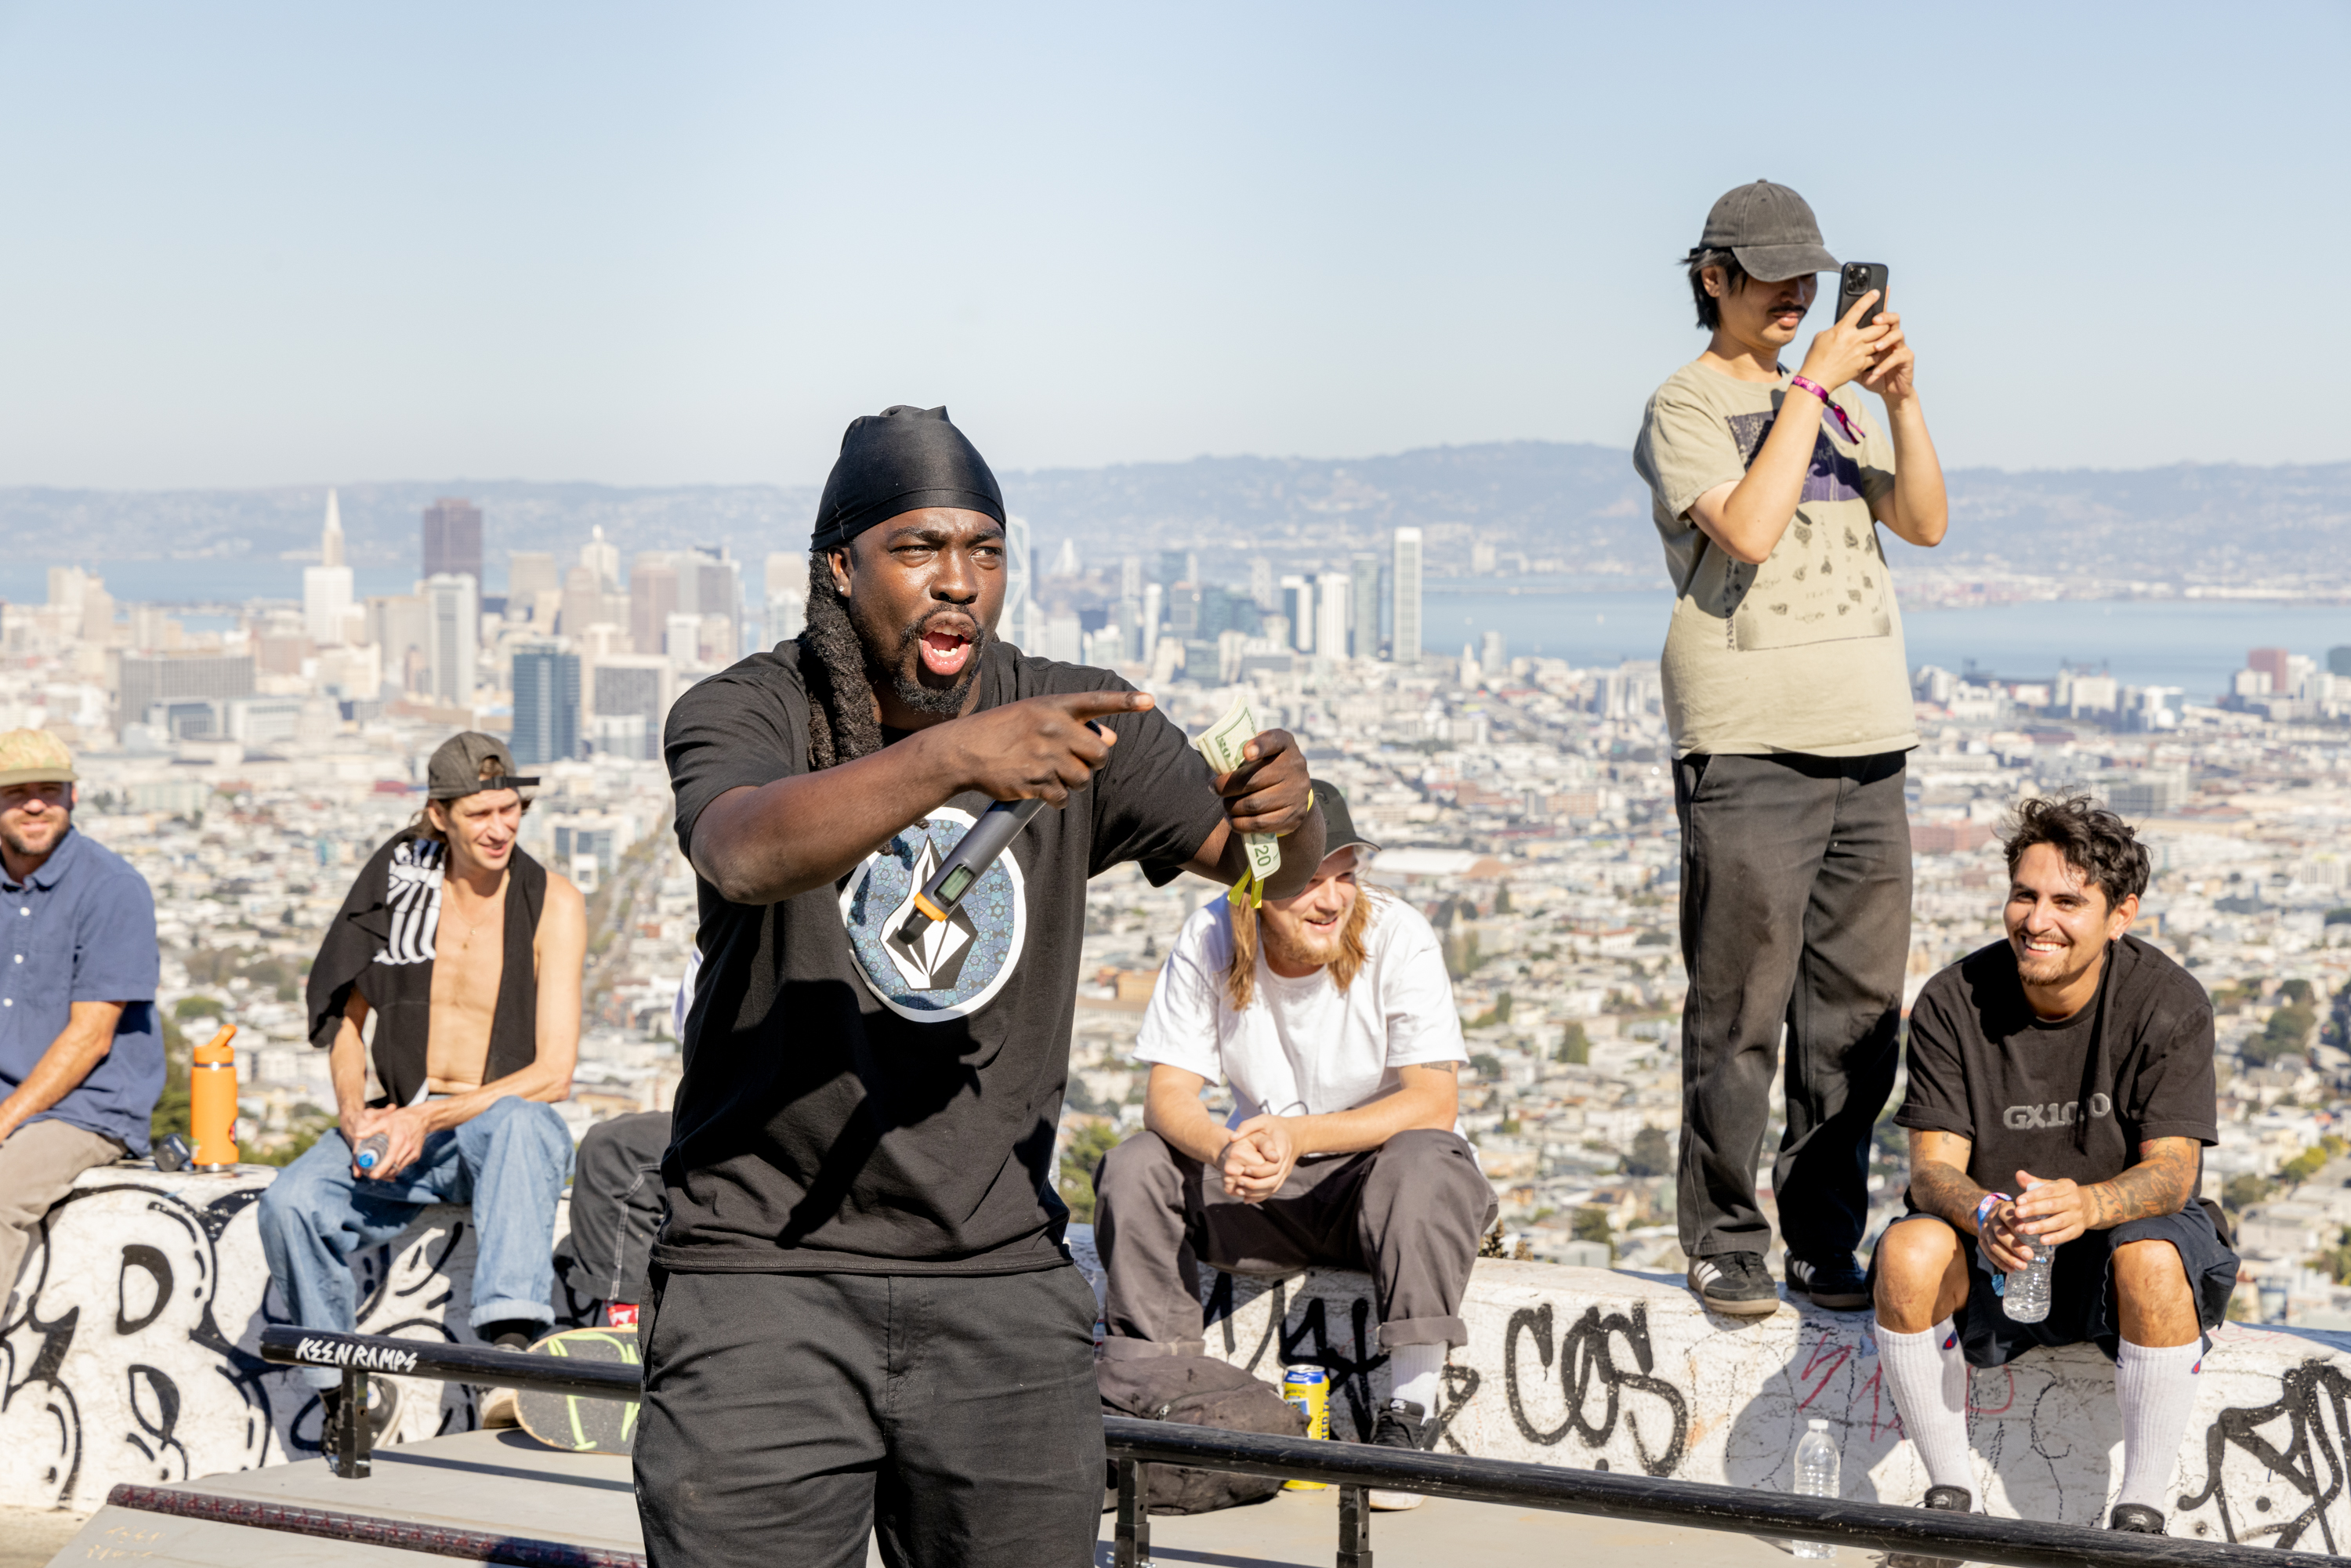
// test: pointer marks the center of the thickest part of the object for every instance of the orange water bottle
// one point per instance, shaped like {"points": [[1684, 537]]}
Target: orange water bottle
{"points": [[212, 1103]]}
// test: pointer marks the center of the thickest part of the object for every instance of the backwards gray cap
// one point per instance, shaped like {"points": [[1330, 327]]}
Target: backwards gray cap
{"points": [[458, 768], [1772, 231]]}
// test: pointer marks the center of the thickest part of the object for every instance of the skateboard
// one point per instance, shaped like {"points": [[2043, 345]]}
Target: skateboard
{"points": [[567, 1421]]}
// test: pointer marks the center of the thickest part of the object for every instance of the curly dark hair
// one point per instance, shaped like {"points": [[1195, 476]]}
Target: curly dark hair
{"points": [[2092, 840]]}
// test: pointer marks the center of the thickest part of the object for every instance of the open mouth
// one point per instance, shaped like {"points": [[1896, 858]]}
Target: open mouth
{"points": [[945, 650]]}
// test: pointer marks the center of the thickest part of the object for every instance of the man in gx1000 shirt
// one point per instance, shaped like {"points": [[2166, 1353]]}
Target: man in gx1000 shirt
{"points": [[863, 1320], [2061, 1096]]}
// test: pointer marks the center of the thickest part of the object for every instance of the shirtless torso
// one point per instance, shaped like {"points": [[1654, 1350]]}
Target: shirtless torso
{"points": [[470, 961]]}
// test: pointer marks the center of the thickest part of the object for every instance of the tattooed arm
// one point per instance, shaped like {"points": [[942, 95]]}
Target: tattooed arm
{"points": [[2162, 1182], [1938, 1177]]}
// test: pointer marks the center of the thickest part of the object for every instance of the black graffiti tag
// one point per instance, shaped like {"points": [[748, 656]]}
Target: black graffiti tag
{"points": [[1583, 1358], [2304, 1396]]}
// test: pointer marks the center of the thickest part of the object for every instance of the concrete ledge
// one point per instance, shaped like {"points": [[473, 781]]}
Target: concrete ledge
{"points": [[130, 1353], [1627, 1372]]}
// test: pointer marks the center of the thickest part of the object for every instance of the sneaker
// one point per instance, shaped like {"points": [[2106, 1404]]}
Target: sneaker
{"points": [[1942, 1500], [1736, 1283], [500, 1409], [1841, 1286], [2136, 1518], [1402, 1425]]}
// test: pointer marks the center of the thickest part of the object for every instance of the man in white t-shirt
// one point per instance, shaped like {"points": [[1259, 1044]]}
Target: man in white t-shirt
{"points": [[1331, 1015]]}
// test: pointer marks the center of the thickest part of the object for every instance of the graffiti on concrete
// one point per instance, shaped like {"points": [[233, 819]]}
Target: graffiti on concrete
{"points": [[131, 1351], [1583, 1358], [2312, 1462]]}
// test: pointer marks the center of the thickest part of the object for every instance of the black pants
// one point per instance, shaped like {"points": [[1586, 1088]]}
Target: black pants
{"points": [[1410, 1213], [618, 1203], [788, 1418], [1796, 912]]}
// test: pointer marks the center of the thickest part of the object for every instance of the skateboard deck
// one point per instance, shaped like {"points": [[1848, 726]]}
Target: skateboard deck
{"points": [[566, 1420]]}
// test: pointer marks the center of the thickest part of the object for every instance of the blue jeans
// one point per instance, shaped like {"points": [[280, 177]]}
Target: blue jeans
{"points": [[509, 1163]]}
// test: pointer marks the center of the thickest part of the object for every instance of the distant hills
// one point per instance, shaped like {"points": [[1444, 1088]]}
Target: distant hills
{"points": [[1575, 506]]}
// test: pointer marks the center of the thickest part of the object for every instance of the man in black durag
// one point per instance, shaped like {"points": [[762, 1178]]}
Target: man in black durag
{"points": [[865, 1321]]}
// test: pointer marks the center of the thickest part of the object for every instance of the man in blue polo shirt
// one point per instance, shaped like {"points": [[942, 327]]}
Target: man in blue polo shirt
{"points": [[81, 1056]]}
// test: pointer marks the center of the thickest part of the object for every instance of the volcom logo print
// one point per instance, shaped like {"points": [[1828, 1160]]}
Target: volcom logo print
{"points": [[952, 968], [2027, 1118]]}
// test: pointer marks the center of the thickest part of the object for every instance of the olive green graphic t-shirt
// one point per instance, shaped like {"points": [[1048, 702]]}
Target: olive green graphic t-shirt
{"points": [[1804, 652]]}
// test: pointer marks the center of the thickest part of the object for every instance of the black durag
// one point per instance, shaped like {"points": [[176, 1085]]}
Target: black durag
{"points": [[900, 460]]}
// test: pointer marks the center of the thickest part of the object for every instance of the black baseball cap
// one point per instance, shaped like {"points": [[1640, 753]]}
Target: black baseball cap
{"points": [[457, 767], [1772, 231], [1338, 824]]}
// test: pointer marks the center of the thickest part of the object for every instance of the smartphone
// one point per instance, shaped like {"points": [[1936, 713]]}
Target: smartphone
{"points": [[1855, 279]]}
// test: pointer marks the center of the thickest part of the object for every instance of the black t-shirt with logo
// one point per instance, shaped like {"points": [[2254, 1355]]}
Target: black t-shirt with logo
{"points": [[852, 1106], [2067, 1098]]}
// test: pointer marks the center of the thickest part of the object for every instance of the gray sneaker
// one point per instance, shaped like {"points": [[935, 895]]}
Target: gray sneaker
{"points": [[1736, 1283]]}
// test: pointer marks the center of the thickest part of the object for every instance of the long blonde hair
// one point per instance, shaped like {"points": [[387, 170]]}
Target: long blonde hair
{"points": [[1240, 970]]}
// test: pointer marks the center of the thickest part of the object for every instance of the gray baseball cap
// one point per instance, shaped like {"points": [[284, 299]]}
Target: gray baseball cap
{"points": [[1772, 231], [457, 768]]}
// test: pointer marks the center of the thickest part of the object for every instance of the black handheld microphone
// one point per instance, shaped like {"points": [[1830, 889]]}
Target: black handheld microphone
{"points": [[966, 863]]}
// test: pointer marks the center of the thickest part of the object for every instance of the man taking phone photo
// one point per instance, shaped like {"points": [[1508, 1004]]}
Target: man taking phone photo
{"points": [[1788, 696]]}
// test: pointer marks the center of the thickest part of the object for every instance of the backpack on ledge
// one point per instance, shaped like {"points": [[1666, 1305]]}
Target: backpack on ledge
{"points": [[1202, 1392]]}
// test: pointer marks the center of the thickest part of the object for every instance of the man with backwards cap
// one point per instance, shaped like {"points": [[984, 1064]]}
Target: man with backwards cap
{"points": [[1788, 698], [469, 953], [863, 1320]]}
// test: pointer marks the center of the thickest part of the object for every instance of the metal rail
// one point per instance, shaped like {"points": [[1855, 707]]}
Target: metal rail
{"points": [[370, 1529], [1355, 1468]]}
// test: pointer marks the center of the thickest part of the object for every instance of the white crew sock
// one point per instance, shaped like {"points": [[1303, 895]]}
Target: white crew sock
{"points": [[1928, 1376], [2156, 1391], [1414, 1369]]}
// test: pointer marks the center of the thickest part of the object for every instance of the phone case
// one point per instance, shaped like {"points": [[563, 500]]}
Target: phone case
{"points": [[1856, 279]]}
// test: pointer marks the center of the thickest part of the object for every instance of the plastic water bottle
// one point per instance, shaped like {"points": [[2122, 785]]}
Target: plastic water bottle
{"points": [[372, 1149], [2025, 1295], [1816, 1476]]}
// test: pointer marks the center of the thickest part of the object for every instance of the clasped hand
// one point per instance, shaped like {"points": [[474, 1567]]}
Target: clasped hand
{"points": [[1260, 1158], [2049, 1215]]}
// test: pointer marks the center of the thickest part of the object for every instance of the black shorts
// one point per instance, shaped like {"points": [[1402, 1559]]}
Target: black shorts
{"points": [[2081, 1287]]}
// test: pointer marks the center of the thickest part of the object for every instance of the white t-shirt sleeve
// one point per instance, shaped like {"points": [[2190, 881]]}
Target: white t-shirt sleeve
{"points": [[1180, 1026], [1415, 994]]}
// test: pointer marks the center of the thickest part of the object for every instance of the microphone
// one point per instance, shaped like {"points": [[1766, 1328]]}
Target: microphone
{"points": [[978, 849]]}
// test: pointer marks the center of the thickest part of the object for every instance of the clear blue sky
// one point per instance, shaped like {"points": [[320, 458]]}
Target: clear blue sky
{"points": [[256, 245]]}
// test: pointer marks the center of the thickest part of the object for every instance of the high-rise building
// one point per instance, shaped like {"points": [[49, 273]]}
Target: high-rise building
{"points": [[718, 590], [1019, 622], [1298, 608], [583, 600], [653, 599], [1493, 657], [327, 587], [546, 704], [1261, 586], [602, 557], [629, 696], [786, 582], [2272, 663], [1331, 614], [1404, 641], [1154, 600], [152, 678], [452, 539], [1178, 566], [453, 636], [1364, 605], [1129, 577], [529, 573], [1065, 563]]}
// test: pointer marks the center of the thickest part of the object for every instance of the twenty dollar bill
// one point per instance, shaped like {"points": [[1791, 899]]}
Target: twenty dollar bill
{"points": [[1221, 744]]}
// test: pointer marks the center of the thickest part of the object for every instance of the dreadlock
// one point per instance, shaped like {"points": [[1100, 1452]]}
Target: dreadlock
{"points": [[842, 725]]}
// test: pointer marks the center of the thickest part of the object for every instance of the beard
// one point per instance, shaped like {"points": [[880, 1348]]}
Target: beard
{"points": [[1299, 943], [55, 827], [901, 669]]}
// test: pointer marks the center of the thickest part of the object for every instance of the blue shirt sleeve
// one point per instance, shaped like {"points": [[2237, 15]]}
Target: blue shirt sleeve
{"points": [[115, 957]]}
